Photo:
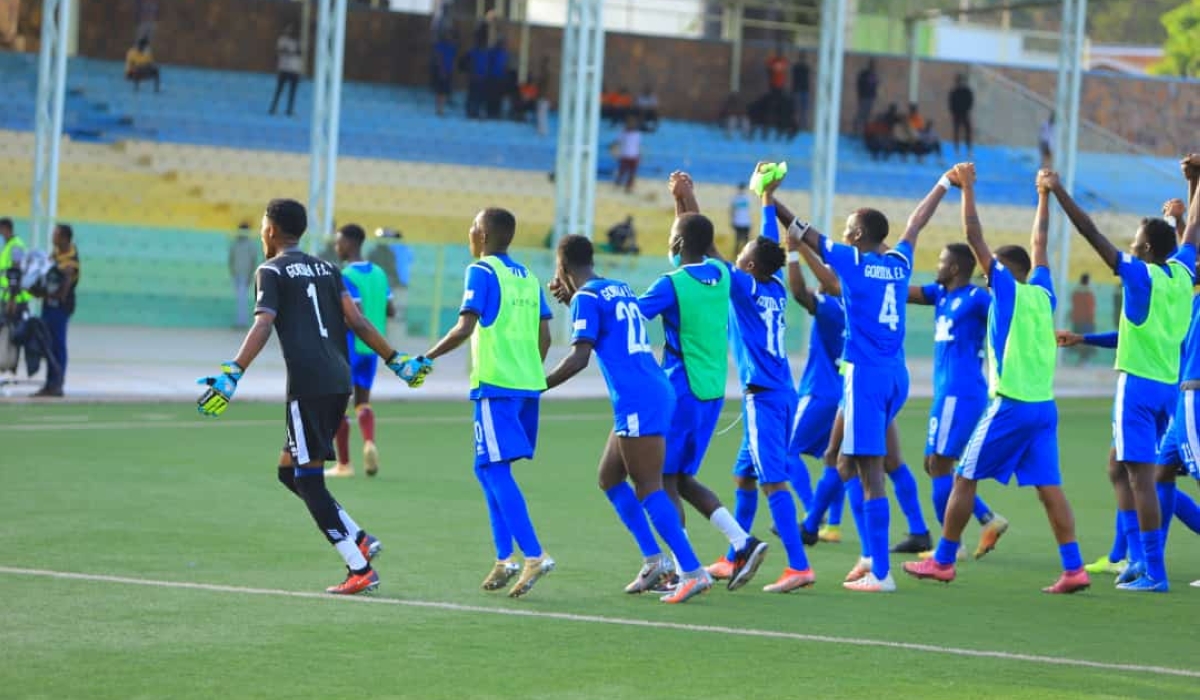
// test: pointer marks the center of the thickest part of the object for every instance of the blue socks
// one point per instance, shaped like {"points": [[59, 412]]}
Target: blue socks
{"points": [[625, 501], [942, 486], [1187, 511], [1129, 528], [511, 504], [501, 537], [1166, 503], [906, 495], [1072, 560], [875, 512], [783, 512], [837, 506], [745, 506], [854, 492], [1152, 544], [666, 520], [1120, 546], [946, 552], [801, 482], [982, 512], [829, 491]]}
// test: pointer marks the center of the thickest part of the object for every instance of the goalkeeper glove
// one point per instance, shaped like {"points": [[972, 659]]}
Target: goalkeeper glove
{"points": [[766, 174], [412, 370], [216, 399]]}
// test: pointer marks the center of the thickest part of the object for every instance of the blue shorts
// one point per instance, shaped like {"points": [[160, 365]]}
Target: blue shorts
{"points": [[1014, 437], [1141, 410], [649, 415], [692, 429], [505, 429], [766, 416], [872, 398], [952, 420], [812, 425], [1181, 445], [362, 369]]}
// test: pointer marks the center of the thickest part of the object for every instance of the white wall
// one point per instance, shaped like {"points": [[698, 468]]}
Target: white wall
{"points": [[975, 43]]}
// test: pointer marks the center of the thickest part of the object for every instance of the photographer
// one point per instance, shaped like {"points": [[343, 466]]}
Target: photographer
{"points": [[58, 304], [11, 256]]}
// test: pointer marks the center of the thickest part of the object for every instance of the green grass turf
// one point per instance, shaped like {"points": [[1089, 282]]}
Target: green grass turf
{"points": [[153, 491]]}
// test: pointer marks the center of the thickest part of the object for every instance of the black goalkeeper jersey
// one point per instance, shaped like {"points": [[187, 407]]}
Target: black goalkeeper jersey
{"points": [[305, 294]]}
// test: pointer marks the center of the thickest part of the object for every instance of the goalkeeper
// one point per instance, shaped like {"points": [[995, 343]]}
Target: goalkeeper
{"points": [[306, 301]]}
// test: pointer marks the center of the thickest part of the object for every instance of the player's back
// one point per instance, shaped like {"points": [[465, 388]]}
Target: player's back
{"points": [[960, 331], [826, 343], [757, 331], [607, 313], [1189, 371], [305, 294], [367, 284], [1021, 343], [693, 302], [873, 288]]}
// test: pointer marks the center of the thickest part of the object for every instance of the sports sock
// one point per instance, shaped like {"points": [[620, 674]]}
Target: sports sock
{"points": [[1133, 542], [906, 495], [665, 517], [800, 480], [310, 483], [366, 422], [854, 493], [1120, 546], [875, 512], [982, 512], [1166, 501], [1187, 511], [625, 502], [341, 441], [837, 507], [287, 477], [783, 512], [501, 537], [725, 522], [1152, 545], [1072, 560], [946, 552], [347, 522], [829, 490], [745, 506], [512, 504], [942, 486]]}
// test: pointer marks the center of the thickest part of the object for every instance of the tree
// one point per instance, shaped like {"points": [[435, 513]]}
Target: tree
{"points": [[1181, 52]]}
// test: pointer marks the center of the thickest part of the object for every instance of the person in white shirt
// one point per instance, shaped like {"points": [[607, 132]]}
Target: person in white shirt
{"points": [[290, 67], [647, 108], [739, 219], [1046, 142], [628, 148]]}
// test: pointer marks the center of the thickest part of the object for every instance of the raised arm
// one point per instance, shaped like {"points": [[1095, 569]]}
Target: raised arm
{"points": [[1082, 222], [809, 235], [916, 295], [362, 328], [924, 211], [972, 227], [800, 291], [458, 335], [1191, 173], [683, 191], [1191, 234], [1173, 211], [1040, 234]]}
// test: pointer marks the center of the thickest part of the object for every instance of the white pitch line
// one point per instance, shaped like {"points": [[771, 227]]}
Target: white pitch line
{"points": [[620, 621], [202, 422]]}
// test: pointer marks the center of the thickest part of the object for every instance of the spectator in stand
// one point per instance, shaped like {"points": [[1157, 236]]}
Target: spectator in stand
{"points": [[622, 238], [608, 103], [911, 126], [58, 305], [629, 152], [801, 82], [290, 66], [647, 109], [962, 101], [622, 107], [1046, 143], [928, 142], [441, 69], [1083, 317], [139, 65], [475, 62], [733, 118], [497, 78], [739, 219], [243, 261], [881, 134], [866, 87]]}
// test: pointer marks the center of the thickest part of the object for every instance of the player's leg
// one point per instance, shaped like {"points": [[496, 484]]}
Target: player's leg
{"points": [[1138, 408], [341, 449], [1127, 523], [505, 569], [909, 500], [611, 477], [811, 430], [957, 421], [798, 475], [745, 499], [854, 495], [830, 487], [364, 379]]}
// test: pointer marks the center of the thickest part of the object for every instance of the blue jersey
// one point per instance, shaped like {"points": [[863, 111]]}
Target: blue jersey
{"points": [[1004, 299], [757, 327], [960, 330], [660, 300], [606, 314], [874, 288], [1189, 371], [1135, 281], [826, 342], [482, 298]]}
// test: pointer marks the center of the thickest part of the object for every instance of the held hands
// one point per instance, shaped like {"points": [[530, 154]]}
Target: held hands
{"points": [[680, 184], [962, 175], [221, 387], [1173, 208], [411, 370], [560, 291], [1047, 181], [1190, 166], [1067, 339], [766, 178]]}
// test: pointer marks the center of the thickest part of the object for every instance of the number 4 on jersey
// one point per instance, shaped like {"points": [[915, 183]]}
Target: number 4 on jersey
{"points": [[888, 314]]}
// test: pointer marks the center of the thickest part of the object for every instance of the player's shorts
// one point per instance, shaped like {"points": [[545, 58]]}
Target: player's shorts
{"points": [[952, 420], [1141, 410], [362, 369], [766, 417], [872, 398], [505, 429], [1181, 444], [312, 423], [692, 429], [811, 426], [1014, 437]]}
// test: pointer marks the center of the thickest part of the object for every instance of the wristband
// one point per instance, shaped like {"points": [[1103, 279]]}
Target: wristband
{"points": [[798, 228], [945, 183], [1172, 221], [793, 256]]}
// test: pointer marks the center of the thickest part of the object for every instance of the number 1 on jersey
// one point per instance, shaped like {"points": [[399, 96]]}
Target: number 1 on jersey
{"points": [[312, 294], [888, 314]]}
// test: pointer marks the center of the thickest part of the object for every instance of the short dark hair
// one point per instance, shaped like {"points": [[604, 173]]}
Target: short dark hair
{"points": [[500, 226], [6, 223], [695, 233], [289, 216], [576, 251], [1085, 278], [1161, 236], [874, 224], [963, 256], [769, 256], [67, 231], [353, 232], [1015, 258]]}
